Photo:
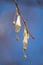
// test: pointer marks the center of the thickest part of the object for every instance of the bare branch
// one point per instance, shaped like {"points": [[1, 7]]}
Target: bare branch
{"points": [[24, 21]]}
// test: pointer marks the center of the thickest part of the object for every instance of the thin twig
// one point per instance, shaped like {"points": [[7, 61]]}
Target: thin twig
{"points": [[19, 12]]}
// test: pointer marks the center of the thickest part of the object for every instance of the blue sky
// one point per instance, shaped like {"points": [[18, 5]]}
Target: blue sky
{"points": [[11, 51]]}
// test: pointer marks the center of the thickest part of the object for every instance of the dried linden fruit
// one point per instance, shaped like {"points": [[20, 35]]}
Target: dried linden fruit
{"points": [[17, 38], [25, 56]]}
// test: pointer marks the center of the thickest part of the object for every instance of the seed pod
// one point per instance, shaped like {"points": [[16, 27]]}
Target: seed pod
{"points": [[14, 22], [18, 24], [25, 56], [25, 48], [17, 38]]}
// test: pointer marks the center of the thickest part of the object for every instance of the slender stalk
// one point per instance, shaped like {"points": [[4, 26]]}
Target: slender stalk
{"points": [[24, 21]]}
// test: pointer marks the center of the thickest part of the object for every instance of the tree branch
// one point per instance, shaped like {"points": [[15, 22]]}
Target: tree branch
{"points": [[24, 21]]}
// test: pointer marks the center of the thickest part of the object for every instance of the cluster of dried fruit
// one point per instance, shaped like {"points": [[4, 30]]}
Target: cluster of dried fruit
{"points": [[17, 24]]}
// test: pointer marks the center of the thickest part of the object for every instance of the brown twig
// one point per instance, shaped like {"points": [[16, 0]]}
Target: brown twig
{"points": [[19, 12]]}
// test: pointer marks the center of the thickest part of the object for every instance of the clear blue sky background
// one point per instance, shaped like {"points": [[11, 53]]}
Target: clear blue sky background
{"points": [[11, 51]]}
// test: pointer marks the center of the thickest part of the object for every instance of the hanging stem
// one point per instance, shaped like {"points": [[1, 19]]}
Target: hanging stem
{"points": [[19, 12]]}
